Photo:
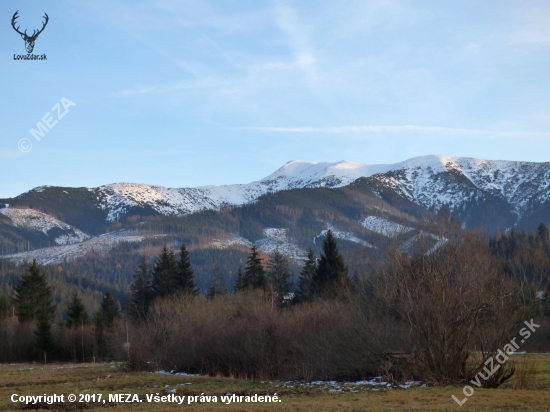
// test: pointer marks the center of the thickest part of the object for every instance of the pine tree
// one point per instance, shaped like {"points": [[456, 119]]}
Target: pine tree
{"points": [[306, 276], [4, 305], [216, 287], [104, 319], [164, 273], [254, 272], [331, 274], [76, 312], [183, 276], [43, 333], [141, 290], [240, 281], [543, 233], [278, 279], [33, 296], [109, 311]]}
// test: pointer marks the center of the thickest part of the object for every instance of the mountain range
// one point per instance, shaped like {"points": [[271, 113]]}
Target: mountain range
{"points": [[60, 223]]}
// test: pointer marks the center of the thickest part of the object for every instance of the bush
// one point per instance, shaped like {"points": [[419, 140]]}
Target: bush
{"points": [[245, 336]]}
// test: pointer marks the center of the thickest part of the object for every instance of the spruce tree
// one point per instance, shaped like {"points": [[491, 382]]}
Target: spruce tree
{"points": [[33, 296], [240, 281], [183, 276], [307, 274], [76, 312], [164, 273], [216, 287], [43, 334], [4, 305], [278, 279], [109, 311], [331, 274], [105, 319], [254, 272], [141, 290], [543, 233]]}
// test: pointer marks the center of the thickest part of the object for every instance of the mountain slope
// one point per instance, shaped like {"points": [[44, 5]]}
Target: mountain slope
{"points": [[61, 233], [482, 193]]}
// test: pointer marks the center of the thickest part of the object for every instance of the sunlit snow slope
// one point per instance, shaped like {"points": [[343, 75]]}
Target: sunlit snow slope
{"points": [[430, 181]]}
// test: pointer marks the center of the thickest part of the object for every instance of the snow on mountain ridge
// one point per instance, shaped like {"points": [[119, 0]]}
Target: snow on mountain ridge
{"points": [[425, 180], [516, 182], [33, 220]]}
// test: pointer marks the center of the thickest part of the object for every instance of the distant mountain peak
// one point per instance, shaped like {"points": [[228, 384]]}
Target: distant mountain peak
{"points": [[431, 181]]}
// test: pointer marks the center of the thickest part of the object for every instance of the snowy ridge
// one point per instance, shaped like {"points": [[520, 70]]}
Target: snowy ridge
{"points": [[32, 220], [429, 181], [118, 198], [426, 180], [423, 180]]}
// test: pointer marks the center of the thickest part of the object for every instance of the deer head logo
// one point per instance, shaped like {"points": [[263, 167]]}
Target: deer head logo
{"points": [[29, 40]]}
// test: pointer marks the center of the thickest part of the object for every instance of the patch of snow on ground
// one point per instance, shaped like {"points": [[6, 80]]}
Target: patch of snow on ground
{"points": [[421, 237], [231, 241], [275, 239], [278, 240], [338, 234], [58, 254], [41, 222], [375, 384], [173, 372], [383, 226], [334, 386]]}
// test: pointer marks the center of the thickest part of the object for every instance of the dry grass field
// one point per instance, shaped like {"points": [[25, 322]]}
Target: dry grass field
{"points": [[105, 379]]}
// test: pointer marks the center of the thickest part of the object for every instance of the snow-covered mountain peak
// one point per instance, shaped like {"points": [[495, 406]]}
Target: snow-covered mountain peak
{"points": [[431, 181]]}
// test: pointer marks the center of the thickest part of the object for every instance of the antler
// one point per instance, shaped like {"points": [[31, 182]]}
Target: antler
{"points": [[43, 26], [13, 19]]}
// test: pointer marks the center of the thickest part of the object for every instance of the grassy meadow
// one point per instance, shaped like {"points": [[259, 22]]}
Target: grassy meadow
{"points": [[38, 379]]}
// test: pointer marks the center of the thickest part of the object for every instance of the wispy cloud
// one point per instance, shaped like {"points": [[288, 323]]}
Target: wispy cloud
{"points": [[298, 38], [378, 129], [11, 153], [203, 83], [533, 27]]}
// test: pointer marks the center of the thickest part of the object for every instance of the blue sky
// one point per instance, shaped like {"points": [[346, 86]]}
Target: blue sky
{"points": [[185, 93]]}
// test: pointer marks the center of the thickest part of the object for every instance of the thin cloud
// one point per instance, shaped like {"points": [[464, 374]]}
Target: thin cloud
{"points": [[204, 83], [298, 38], [374, 129], [534, 27]]}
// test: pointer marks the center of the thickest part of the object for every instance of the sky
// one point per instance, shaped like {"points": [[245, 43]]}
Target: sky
{"points": [[184, 93]]}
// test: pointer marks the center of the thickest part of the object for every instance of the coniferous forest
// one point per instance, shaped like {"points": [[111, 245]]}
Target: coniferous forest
{"points": [[420, 314]]}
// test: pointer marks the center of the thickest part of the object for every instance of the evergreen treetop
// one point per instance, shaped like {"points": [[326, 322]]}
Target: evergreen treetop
{"points": [[254, 272], [543, 233], [33, 296], [331, 273], [108, 311], [76, 312], [305, 282], [240, 281], [141, 290], [278, 280], [164, 272], [216, 287], [183, 276]]}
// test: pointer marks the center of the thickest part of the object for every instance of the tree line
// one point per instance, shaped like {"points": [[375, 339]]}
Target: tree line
{"points": [[171, 275], [420, 315]]}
